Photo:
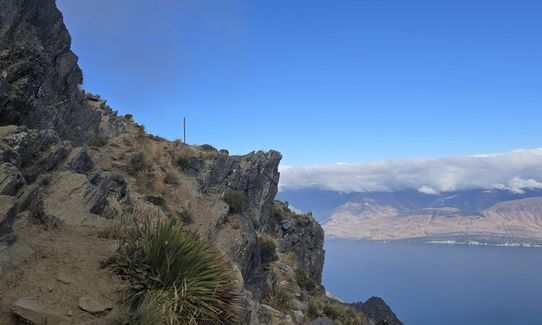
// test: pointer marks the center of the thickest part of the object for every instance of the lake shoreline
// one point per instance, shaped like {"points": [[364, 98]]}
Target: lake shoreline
{"points": [[443, 242]]}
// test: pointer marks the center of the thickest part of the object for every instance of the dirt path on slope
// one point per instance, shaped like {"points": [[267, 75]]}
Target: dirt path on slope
{"points": [[65, 266]]}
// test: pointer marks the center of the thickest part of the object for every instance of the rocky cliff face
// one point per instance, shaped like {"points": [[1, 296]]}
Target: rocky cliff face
{"points": [[71, 171], [39, 76]]}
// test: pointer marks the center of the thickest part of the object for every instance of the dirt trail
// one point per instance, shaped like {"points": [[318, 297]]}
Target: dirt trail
{"points": [[64, 267]]}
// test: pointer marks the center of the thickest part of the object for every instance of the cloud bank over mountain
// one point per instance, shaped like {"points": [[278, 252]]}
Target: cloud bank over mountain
{"points": [[515, 170]]}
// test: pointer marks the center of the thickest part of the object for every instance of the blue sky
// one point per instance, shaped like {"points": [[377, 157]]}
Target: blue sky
{"points": [[320, 81]]}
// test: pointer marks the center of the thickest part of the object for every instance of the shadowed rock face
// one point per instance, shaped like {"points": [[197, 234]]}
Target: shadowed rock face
{"points": [[39, 75], [378, 311], [256, 177], [301, 234]]}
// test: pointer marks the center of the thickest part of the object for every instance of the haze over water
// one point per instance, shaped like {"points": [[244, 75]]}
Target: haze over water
{"points": [[440, 284]]}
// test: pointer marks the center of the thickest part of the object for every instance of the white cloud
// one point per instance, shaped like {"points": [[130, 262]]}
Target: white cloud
{"points": [[427, 190], [515, 170], [518, 185]]}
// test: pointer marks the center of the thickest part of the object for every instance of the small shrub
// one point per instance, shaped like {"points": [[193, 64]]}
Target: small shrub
{"points": [[268, 250], [224, 152], [208, 147], [129, 117], [37, 210], [140, 161], [144, 182], [255, 221], [157, 200], [177, 274], [206, 151], [127, 141], [208, 155], [98, 141], [113, 230], [182, 161], [171, 177], [343, 314], [44, 180], [303, 280], [278, 212], [279, 298], [150, 183], [156, 137], [331, 311], [314, 310], [114, 210], [157, 308], [235, 200], [340, 313], [186, 217]]}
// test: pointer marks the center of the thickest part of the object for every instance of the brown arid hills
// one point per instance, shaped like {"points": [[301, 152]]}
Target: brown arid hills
{"points": [[479, 216], [80, 184], [506, 222], [516, 222]]}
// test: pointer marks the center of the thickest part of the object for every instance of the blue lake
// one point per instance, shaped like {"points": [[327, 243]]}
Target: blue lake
{"points": [[440, 284]]}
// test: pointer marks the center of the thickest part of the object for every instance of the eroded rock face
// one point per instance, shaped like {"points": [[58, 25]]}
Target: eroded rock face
{"points": [[264, 314], [70, 198], [255, 175], [39, 75], [81, 163], [239, 234], [239, 239], [11, 180], [33, 151], [28, 155], [108, 185], [301, 234], [73, 199]]}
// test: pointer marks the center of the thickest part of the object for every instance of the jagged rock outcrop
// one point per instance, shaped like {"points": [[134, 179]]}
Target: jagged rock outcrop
{"points": [[39, 76], [108, 185], [82, 163], [255, 175], [72, 198], [302, 235], [271, 245], [18, 144], [28, 153], [378, 311], [255, 178]]}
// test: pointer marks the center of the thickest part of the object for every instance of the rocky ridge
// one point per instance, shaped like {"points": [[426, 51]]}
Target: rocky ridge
{"points": [[71, 170]]}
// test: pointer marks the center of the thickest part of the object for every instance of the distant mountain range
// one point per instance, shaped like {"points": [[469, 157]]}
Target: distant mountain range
{"points": [[499, 217]]}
